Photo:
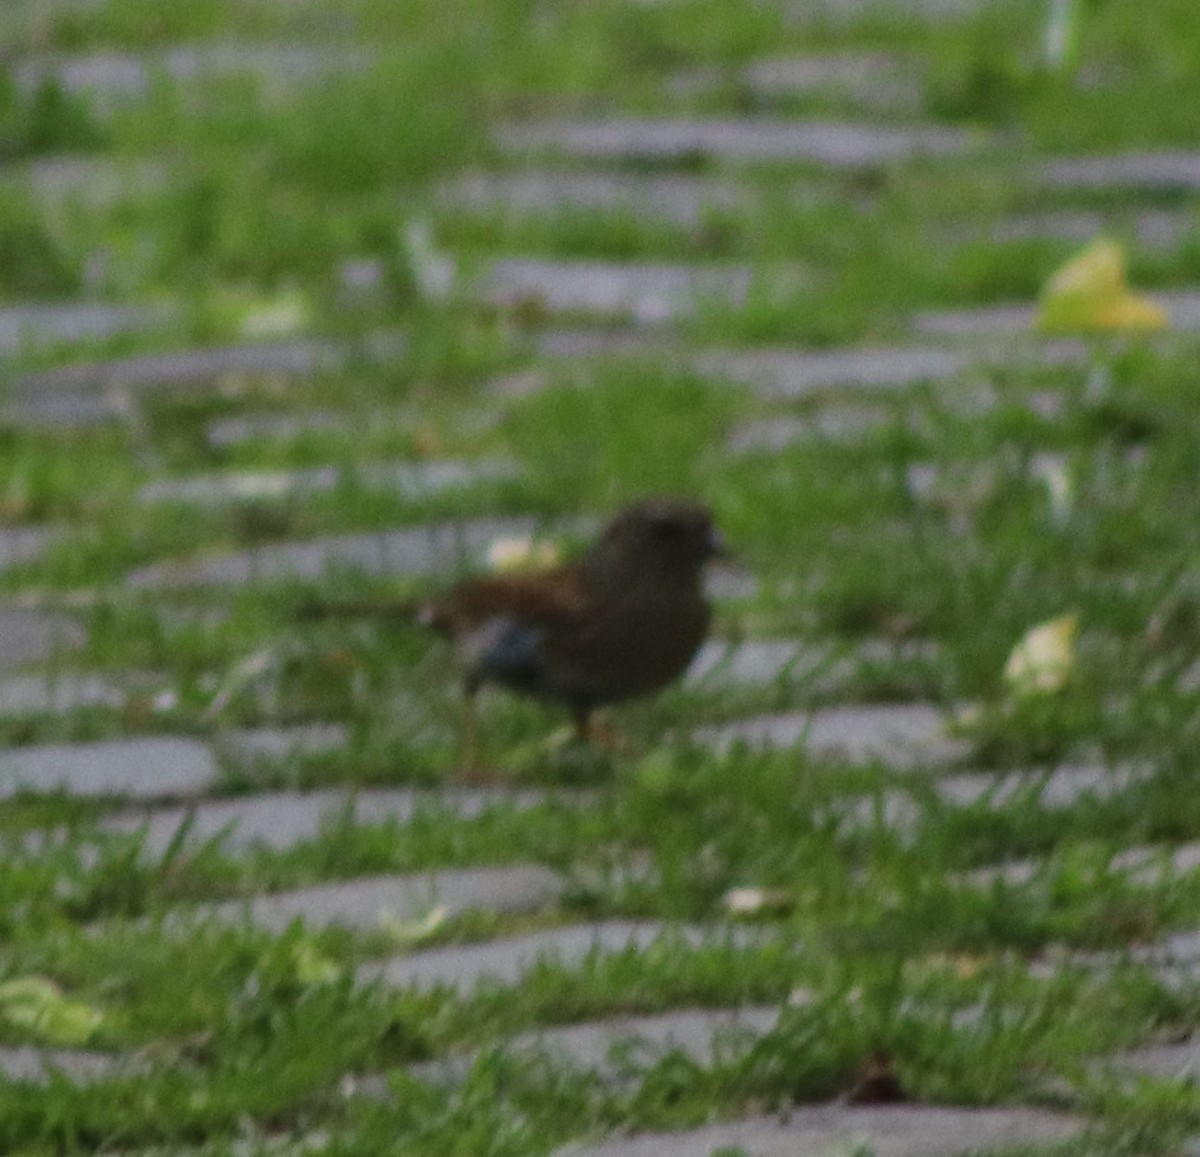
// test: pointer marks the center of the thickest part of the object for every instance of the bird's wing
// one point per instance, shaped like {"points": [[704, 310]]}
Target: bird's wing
{"points": [[506, 627], [549, 600]]}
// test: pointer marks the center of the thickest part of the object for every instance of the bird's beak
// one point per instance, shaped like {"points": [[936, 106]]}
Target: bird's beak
{"points": [[717, 546]]}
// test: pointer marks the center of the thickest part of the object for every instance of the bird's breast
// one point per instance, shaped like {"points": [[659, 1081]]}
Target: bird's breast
{"points": [[641, 644]]}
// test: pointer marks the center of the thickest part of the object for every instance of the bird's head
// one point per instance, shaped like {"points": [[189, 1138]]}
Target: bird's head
{"points": [[671, 535]]}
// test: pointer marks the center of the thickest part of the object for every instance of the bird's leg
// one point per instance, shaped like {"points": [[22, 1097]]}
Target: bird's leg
{"points": [[582, 729], [579, 731], [597, 733], [581, 718]]}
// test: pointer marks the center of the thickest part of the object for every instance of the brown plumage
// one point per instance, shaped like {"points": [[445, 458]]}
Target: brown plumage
{"points": [[621, 622]]}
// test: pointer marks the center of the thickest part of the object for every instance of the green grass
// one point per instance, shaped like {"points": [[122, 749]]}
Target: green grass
{"points": [[885, 943]]}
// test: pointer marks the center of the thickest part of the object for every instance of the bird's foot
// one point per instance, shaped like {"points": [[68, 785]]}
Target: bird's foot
{"points": [[561, 753], [602, 735]]}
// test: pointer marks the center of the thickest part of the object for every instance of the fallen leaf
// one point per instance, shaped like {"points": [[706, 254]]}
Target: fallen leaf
{"points": [[1090, 293], [1042, 661], [508, 555]]}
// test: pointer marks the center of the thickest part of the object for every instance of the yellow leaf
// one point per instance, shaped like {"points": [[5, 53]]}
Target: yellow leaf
{"points": [[520, 554], [1097, 271], [1090, 292], [1043, 659], [1132, 311]]}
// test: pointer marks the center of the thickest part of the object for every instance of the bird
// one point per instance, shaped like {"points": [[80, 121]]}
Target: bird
{"points": [[621, 622]]}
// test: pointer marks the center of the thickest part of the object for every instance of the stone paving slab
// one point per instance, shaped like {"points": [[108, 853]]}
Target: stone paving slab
{"points": [[568, 343], [791, 373], [903, 736], [20, 544], [1182, 306], [681, 198], [42, 694], [293, 425], [1153, 228], [927, 481], [278, 820], [24, 326], [622, 1045], [1145, 866], [223, 433], [254, 1140], [371, 903], [507, 961], [303, 357], [788, 373], [64, 411], [840, 1130], [834, 424], [1178, 948], [251, 746], [258, 1141], [1173, 960], [96, 181], [138, 768], [1061, 787], [1153, 865], [37, 1065], [645, 292], [923, 11], [759, 662], [611, 1047], [1169, 1062], [1170, 170], [876, 81], [30, 636], [838, 423], [35, 327], [420, 550], [107, 78], [412, 480], [668, 141]]}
